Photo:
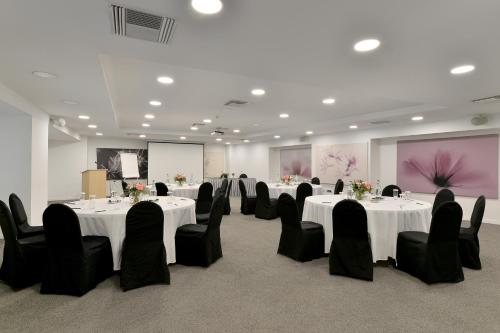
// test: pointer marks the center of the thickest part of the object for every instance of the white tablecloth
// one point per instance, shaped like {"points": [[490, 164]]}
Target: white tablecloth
{"points": [[276, 189], [111, 222], [185, 191], [385, 220]]}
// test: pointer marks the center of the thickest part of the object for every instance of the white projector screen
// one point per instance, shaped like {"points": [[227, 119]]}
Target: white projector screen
{"points": [[130, 167], [172, 158]]}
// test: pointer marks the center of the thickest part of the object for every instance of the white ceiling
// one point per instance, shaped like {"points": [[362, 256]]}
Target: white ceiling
{"points": [[298, 51]]}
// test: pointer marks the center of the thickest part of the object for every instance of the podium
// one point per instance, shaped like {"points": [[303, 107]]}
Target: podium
{"points": [[94, 183]]}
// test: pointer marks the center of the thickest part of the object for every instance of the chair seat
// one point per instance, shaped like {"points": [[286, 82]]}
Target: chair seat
{"points": [[191, 230], [26, 230], [202, 218], [274, 202], [251, 197], [38, 241], [306, 225], [93, 243], [414, 236]]}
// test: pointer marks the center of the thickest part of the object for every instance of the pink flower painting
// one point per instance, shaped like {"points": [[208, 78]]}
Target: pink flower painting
{"points": [[296, 162]]}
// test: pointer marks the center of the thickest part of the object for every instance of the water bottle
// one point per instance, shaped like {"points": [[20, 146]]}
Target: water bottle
{"points": [[378, 189]]}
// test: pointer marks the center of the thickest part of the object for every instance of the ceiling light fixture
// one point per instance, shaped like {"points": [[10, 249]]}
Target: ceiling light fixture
{"points": [[417, 118], [146, 125], [44, 75], [155, 103], [366, 45], [165, 80], [92, 126], [84, 117], [149, 116], [258, 92], [236, 131], [207, 7], [98, 134], [182, 138], [353, 126], [207, 121], [277, 136], [228, 143], [194, 128], [246, 141], [142, 136], [462, 69], [329, 100], [218, 139], [284, 115], [309, 132]]}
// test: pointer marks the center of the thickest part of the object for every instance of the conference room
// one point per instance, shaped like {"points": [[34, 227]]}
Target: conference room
{"points": [[249, 166]]}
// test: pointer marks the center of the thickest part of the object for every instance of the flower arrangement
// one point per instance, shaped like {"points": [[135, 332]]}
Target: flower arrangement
{"points": [[180, 179], [286, 179], [359, 188], [135, 191]]}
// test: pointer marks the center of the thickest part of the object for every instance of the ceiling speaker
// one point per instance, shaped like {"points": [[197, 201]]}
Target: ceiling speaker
{"points": [[479, 119]]}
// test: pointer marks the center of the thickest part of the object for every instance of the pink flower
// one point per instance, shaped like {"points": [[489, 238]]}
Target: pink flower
{"points": [[139, 187]]}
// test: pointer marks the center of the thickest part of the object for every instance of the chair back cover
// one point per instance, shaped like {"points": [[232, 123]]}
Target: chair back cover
{"points": [[17, 210], [216, 213], [205, 198], [7, 224], [62, 228], [161, 189], [228, 189], [315, 181], [442, 196], [477, 214], [224, 185], [304, 190], [287, 210], [262, 192], [144, 223], [243, 189], [445, 224], [388, 190], [339, 186], [243, 175], [349, 220]]}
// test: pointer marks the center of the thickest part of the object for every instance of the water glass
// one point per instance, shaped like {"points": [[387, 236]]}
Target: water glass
{"points": [[92, 201], [395, 193], [152, 193], [82, 196]]}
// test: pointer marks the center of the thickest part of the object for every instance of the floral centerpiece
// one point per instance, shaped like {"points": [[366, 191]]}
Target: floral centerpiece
{"points": [[180, 179], [286, 179], [135, 191], [360, 187]]}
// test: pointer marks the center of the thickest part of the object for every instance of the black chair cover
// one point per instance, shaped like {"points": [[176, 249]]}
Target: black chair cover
{"points": [[350, 252], [223, 186], [125, 188], [301, 241], [468, 240], [161, 189], [304, 190], [144, 259], [227, 204], [205, 217], [388, 190], [199, 244], [243, 175], [23, 259], [339, 186], [247, 202], [21, 220], [433, 257], [75, 264], [204, 201], [315, 181], [442, 196], [265, 208]]}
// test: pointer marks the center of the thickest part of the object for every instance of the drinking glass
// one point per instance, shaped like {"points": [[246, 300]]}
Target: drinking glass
{"points": [[82, 196], [395, 193], [92, 201], [152, 193]]}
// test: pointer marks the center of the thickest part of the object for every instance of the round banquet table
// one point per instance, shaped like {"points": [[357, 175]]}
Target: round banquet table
{"points": [[185, 191], [386, 218], [109, 220], [275, 189]]}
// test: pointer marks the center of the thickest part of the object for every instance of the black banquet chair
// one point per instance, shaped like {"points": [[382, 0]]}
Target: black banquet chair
{"points": [[23, 258], [125, 188], [468, 240], [265, 207], [339, 186], [304, 190], [350, 251], [161, 189], [21, 220], [204, 218], [227, 202], [433, 257], [144, 258], [204, 202], [223, 186], [315, 181], [243, 175], [75, 264], [247, 202], [200, 244], [299, 240], [389, 190], [442, 196]]}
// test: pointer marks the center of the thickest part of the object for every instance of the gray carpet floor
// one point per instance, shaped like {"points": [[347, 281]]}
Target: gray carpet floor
{"points": [[252, 289]]}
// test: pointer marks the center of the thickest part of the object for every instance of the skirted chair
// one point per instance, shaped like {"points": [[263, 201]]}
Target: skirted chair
{"points": [[304, 190], [339, 186], [350, 251], [265, 207], [433, 257], [144, 258], [389, 190], [200, 244], [224, 185], [21, 220], [204, 218], [300, 240], [315, 181], [243, 175], [442, 196], [75, 264], [161, 189], [227, 202], [23, 258], [247, 202], [204, 202], [468, 240]]}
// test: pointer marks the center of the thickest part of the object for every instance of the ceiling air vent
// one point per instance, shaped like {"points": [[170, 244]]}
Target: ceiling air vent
{"points": [[140, 25], [379, 122], [487, 99], [235, 102]]}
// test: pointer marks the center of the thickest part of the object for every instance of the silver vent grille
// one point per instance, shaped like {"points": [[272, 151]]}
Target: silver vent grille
{"points": [[487, 99], [379, 122], [235, 102], [140, 25]]}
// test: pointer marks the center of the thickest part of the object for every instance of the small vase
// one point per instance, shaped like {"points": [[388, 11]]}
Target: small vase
{"points": [[358, 195]]}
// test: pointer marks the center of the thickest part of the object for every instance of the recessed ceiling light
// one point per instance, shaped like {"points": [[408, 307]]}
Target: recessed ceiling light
{"points": [[366, 45], [142, 136], [462, 69], [207, 7], [309, 132], [417, 118], [246, 141], [44, 75], [84, 117], [284, 115], [98, 134], [92, 126], [182, 138], [146, 125], [165, 79], [228, 143], [69, 102], [236, 131], [149, 116], [218, 139], [194, 128], [207, 121], [155, 103], [277, 136], [258, 92], [353, 126], [329, 101]]}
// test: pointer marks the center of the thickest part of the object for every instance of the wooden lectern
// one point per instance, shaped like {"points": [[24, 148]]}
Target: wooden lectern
{"points": [[94, 183]]}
